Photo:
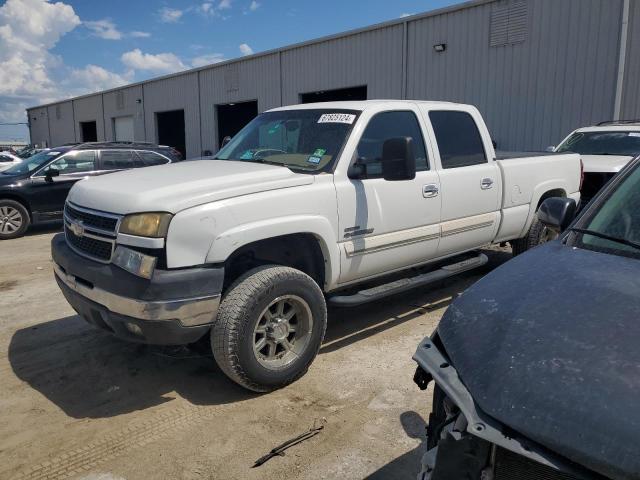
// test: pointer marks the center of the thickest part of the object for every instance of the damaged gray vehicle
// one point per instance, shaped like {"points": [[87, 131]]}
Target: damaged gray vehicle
{"points": [[537, 366]]}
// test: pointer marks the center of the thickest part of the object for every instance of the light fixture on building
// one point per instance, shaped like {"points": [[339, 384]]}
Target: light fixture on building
{"points": [[440, 47], [139, 100]]}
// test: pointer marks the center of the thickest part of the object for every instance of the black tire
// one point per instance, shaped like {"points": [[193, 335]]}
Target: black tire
{"points": [[537, 235], [244, 307], [14, 219]]}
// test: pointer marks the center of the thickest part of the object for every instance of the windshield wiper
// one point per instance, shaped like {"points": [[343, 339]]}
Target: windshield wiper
{"points": [[622, 241]]}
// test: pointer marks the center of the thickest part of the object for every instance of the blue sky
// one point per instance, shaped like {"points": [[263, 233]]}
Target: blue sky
{"points": [[54, 50]]}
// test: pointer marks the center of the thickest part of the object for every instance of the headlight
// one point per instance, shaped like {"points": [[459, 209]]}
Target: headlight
{"points": [[134, 262], [153, 225]]}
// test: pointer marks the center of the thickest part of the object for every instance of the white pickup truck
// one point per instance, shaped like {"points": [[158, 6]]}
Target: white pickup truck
{"points": [[307, 204]]}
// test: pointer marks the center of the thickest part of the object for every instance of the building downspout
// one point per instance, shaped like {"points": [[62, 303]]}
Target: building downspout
{"points": [[624, 33]]}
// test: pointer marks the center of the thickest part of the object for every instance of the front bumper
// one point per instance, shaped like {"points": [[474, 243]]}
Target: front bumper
{"points": [[175, 307]]}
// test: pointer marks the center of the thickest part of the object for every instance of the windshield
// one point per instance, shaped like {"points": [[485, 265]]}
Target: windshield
{"points": [[602, 143], [308, 140], [617, 218], [32, 163]]}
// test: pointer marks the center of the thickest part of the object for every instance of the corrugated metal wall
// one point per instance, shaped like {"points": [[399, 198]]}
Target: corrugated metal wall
{"points": [[372, 58], [89, 109], [532, 93], [124, 102], [39, 126], [61, 123], [547, 67], [252, 79], [631, 96], [175, 93]]}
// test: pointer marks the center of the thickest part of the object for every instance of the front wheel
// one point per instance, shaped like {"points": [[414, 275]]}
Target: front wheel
{"points": [[14, 219], [537, 235], [269, 328]]}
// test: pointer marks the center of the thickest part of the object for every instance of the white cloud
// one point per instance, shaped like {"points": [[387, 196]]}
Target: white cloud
{"points": [[254, 6], [245, 49], [94, 78], [139, 34], [105, 29], [208, 59], [207, 7], [406, 15], [156, 63], [224, 5], [28, 30], [170, 15]]}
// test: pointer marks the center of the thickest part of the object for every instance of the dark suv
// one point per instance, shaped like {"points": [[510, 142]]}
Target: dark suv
{"points": [[35, 190]]}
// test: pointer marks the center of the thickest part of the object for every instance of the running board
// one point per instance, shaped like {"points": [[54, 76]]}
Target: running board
{"points": [[404, 284]]}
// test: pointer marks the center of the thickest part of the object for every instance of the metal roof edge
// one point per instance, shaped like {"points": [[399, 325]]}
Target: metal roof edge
{"points": [[389, 23]]}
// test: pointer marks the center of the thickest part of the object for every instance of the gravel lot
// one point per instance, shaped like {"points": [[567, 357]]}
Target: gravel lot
{"points": [[77, 403]]}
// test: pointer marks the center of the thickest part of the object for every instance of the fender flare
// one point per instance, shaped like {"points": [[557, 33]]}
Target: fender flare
{"points": [[538, 193]]}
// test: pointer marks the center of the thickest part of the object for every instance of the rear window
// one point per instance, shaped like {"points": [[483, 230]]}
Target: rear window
{"points": [[458, 139]]}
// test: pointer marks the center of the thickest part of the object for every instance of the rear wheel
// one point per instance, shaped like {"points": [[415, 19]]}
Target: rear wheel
{"points": [[14, 219], [537, 235], [269, 327]]}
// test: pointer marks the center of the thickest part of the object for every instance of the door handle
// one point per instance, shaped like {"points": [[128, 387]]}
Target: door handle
{"points": [[486, 183], [430, 191]]}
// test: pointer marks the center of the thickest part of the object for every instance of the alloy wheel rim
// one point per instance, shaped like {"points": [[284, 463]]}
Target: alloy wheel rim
{"points": [[282, 332], [10, 220]]}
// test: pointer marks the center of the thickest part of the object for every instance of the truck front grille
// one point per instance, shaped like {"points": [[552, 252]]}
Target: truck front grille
{"points": [[90, 233], [511, 466], [91, 247]]}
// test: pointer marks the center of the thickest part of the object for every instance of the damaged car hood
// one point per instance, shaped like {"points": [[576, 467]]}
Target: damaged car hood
{"points": [[175, 187], [548, 345]]}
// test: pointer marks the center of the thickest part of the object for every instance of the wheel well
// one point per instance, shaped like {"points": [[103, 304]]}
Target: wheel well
{"points": [[300, 251], [20, 200], [558, 192]]}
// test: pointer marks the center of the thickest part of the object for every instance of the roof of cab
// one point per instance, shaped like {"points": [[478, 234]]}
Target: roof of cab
{"points": [[360, 104], [620, 127]]}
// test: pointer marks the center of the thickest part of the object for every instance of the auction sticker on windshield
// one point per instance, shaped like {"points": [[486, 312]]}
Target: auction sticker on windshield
{"points": [[347, 118]]}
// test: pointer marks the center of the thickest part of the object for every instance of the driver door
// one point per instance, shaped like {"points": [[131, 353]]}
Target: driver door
{"points": [[388, 225], [48, 194]]}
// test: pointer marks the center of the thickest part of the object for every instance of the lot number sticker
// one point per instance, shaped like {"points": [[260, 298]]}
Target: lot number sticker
{"points": [[347, 118]]}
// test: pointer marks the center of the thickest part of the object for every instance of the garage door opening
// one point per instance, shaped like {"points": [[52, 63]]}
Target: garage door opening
{"points": [[123, 129], [171, 130], [88, 132], [232, 117], [339, 95]]}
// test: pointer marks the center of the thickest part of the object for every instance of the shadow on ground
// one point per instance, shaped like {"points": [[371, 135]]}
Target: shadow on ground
{"points": [[90, 374], [406, 466]]}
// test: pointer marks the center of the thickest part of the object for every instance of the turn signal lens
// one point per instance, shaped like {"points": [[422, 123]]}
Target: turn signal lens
{"points": [[153, 225], [134, 262]]}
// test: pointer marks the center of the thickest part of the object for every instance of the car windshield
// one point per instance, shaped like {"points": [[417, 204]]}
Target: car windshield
{"points": [[615, 226], [602, 143], [307, 140], [32, 163]]}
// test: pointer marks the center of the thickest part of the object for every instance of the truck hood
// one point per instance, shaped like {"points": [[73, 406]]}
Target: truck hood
{"points": [[547, 344], [175, 187], [604, 163]]}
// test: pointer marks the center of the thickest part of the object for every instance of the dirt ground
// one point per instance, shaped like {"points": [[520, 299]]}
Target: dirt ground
{"points": [[77, 403]]}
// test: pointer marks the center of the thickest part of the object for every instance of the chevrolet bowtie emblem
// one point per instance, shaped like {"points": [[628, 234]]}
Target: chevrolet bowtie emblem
{"points": [[76, 228]]}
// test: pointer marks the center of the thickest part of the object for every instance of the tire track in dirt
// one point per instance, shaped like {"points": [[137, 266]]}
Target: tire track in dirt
{"points": [[82, 459]]}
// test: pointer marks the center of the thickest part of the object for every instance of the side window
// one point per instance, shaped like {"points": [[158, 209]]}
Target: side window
{"points": [[382, 127], [150, 159], [75, 162], [458, 138], [116, 159]]}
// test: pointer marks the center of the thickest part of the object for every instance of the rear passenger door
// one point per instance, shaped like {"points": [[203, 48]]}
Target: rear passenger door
{"points": [[470, 182]]}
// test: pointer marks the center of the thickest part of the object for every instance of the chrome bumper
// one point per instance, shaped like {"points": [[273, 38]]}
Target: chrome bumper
{"points": [[190, 312]]}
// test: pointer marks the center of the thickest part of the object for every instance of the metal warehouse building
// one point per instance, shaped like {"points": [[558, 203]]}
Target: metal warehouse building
{"points": [[536, 69]]}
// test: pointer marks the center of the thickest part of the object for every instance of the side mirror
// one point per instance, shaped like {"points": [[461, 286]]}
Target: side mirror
{"points": [[398, 159], [50, 173], [557, 213], [225, 140], [551, 148]]}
